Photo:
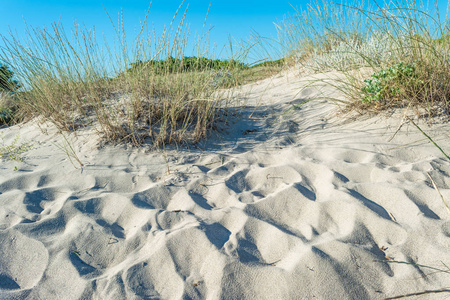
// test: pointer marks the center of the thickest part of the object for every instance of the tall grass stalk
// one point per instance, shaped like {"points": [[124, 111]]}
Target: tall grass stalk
{"points": [[68, 149], [440, 195], [436, 270], [405, 45], [428, 137], [73, 81]]}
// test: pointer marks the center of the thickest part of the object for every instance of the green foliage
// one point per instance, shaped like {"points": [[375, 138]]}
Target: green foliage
{"points": [[8, 107], [388, 83], [443, 40], [6, 115], [186, 64], [270, 63], [170, 98], [361, 36], [13, 150], [6, 82]]}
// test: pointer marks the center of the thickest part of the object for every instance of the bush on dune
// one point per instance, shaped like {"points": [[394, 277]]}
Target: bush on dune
{"points": [[397, 55], [164, 97], [146, 91], [8, 86], [185, 64], [7, 83], [405, 45]]}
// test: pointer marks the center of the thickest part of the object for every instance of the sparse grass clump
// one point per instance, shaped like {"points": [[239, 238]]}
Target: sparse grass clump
{"points": [[7, 82], [389, 83], [13, 150], [393, 55], [8, 108], [6, 115], [8, 87]]}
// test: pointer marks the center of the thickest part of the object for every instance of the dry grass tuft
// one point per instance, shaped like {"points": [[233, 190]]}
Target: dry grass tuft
{"points": [[74, 82], [391, 56]]}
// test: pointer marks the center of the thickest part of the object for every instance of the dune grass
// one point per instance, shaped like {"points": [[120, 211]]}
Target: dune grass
{"points": [[145, 91], [426, 292], [7, 107], [13, 150], [149, 90], [395, 55]]}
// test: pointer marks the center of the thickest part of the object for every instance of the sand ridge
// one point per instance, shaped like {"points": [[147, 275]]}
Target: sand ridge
{"points": [[276, 205]]}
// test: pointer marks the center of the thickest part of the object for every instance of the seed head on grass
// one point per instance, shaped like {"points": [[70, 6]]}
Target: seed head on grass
{"points": [[403, 45], [149, 90]]}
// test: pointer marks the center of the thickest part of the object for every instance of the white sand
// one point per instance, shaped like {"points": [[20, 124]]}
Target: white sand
{"points": [[298, 205]]}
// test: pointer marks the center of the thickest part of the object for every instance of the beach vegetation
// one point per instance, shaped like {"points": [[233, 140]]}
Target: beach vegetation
{"points": [[8, 88], [433, 269], [185, 64], [7, 81], [68, 149], [6, 115], [148, 91], [389, 83], [13, 150], [390, 55], [8, 107]]}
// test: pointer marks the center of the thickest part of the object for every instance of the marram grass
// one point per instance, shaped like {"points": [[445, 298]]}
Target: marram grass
{"points": [[369, 38], [148, 91]]}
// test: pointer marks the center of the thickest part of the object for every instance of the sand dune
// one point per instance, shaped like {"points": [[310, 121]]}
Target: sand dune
{"points": [[280, 204]]}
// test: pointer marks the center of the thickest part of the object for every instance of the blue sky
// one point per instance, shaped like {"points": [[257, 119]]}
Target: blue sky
{"points": [[227, 17]]}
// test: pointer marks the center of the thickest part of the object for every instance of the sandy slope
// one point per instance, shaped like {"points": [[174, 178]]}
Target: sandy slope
{"points": [[279, 205]]}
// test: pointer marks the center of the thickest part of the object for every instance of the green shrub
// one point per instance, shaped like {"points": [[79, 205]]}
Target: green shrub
{"points": [[13, 150], [6, 115], [270, 63], [6, 82], [8, 107], [357, 37], [390, 83], [186, 64], [75, 81]]}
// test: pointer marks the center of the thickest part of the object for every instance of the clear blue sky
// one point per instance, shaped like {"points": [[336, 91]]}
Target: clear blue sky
{"points": [[228, 17]]}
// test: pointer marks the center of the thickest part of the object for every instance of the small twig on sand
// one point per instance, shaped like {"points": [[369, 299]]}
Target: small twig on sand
{"points": [[428, 137], [398, 129], [420, 293], [436, 188], [443, 290]]}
